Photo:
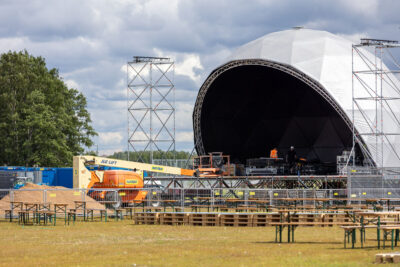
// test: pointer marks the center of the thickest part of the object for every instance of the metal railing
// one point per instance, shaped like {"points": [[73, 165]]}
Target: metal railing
{"points": [[185, 198]]}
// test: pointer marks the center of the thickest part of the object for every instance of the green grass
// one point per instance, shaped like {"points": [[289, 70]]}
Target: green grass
{"points": [[126, 244]]}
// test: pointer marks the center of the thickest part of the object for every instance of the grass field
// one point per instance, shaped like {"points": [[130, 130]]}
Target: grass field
{"points": [[126, 244]]}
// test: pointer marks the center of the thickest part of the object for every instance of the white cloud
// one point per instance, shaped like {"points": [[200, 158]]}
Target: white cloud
{"points": [[364, 7], [184, 136], [185, 63], [110, 138], [91, 41], [71, 84]]}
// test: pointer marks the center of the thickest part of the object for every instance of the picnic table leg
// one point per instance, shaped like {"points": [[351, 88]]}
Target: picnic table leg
{"points": [[353, 238], [384, 239], [276, 233], [378, 232], [396, 237], [288, 233], [345, 235], [361, 235], [293, 228], [392, 237], [280, 233]]}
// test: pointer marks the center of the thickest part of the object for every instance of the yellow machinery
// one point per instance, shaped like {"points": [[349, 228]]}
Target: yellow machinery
{"points": [[123, 180], [82, 177]]}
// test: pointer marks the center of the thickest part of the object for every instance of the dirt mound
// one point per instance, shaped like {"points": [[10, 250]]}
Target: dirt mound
{"points": [[33, 193]]}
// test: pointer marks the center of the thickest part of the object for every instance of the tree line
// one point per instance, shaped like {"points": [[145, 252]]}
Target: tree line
{"points": [[42, 121], [144, 156]]}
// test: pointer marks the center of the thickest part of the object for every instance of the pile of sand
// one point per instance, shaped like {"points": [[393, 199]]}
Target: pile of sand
{"points": [[33, 193]]}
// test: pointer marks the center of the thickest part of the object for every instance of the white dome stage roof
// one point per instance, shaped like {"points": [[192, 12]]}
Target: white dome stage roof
{"points": [[294, 87]]}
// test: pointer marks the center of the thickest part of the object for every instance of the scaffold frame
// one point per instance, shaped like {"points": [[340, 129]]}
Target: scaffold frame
{"points": [[151, 106], [374, 67]]}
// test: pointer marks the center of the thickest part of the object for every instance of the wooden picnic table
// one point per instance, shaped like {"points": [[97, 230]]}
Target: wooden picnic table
{"points": [[31, 206], [79, 204], [16, 204], [388, 201], [171, 203], [377, 221], [44, 205], [62, 208]]}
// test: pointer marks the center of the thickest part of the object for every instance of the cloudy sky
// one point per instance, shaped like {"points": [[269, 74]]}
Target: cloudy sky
{"points": [[90, 42]]}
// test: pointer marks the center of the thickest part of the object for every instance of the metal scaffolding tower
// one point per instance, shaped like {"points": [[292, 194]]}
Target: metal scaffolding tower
{"points": [[151, 106], [374, 88]]}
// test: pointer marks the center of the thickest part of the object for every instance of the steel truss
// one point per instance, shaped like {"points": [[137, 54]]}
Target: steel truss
{"points": [[151, 106], [375, 81], [257, 182]]}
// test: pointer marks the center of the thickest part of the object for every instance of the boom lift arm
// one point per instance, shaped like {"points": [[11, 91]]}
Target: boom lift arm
{"points": [[82, 176]]}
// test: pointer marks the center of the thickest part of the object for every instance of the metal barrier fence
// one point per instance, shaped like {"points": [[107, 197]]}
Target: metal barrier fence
{"points": [[374, 183], [178, 197]]}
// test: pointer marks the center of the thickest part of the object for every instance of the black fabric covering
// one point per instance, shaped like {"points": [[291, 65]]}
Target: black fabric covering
{"points": [[249, 110]]}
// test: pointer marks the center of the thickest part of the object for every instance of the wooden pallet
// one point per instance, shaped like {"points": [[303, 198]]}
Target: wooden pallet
{"points": [[146, 218], [387, 258], [204, 219], [236, 220], [173, 218], [260, 220], [274, 218]]}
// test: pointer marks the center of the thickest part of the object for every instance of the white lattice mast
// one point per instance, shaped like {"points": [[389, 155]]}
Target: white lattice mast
{"points": [[151, 106], [374, 90]]}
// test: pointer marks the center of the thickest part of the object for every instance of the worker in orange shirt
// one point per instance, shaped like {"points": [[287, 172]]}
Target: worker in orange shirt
{"points": [[274, 153]]}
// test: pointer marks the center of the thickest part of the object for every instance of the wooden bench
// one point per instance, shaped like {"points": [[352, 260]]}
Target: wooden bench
{"points": [[199, 207], [224, 209], [129, 210], [119, 214], [47, 215], [151, 209], [179, 209], [23, 217], [393, 232], [218, 207], [103, 213], [9, 213], [279, 226], [246, 209], [71, 215], [89, 214], [350, 233]]}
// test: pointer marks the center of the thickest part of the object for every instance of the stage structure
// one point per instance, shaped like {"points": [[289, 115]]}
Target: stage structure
{"points": [[151, 106], [294, 88], [257, 182]]}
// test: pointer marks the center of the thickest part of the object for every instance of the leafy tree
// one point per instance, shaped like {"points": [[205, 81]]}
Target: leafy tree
{"points": [[42, 121]]}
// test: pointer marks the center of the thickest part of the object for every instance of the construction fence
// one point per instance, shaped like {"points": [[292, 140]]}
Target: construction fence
{"points": [[373, 183], [186, 198]]}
